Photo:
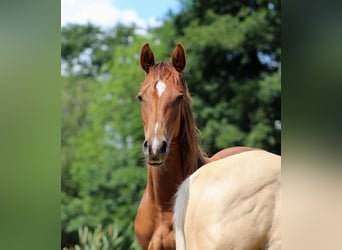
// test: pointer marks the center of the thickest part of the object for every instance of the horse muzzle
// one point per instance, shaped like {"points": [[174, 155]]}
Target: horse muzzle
{"points": [[155, 151]]}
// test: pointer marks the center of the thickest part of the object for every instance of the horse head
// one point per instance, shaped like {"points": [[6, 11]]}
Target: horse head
{"points": [[163, 94]]}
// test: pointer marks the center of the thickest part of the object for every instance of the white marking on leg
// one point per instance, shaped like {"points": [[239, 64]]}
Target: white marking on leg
{"points": [[160, 87]]}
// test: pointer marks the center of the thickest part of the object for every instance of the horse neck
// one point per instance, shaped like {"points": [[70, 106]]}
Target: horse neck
{"points": [[184, 158], [163, 181]]}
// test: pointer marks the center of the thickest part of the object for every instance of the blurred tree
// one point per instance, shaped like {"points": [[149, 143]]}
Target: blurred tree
{"points": [[233, 70], [102, 174], [110, 146], [87, 50], [101, 130], [75, 100]]}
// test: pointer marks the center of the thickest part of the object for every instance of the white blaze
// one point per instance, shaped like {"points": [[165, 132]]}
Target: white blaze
{"points": [[154, 144], [160, 87], [156, 129], [155, 140]]}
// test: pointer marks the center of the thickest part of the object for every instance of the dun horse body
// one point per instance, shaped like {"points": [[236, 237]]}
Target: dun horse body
{"points": [[231, 204], [171, 146]]}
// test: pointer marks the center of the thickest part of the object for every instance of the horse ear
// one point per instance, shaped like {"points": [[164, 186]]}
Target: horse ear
{"points": [[178, 57], [146, 58]]}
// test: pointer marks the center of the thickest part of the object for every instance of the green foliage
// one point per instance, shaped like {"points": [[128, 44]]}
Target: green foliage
{"points": [[108, 238], [86, 50], [102, 174], [233, 73]]}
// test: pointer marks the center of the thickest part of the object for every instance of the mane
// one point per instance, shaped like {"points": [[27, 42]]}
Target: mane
{"points": [[193, 157]]}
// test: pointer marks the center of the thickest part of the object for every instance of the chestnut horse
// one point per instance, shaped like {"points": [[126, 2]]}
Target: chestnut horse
{"points": [[171, 146], [233, 203]]}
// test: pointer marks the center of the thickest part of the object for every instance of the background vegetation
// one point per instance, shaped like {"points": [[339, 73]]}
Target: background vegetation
{"points": [[233, 73]]}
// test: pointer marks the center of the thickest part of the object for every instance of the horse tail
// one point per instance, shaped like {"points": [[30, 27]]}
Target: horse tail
{"points": [[180, 208]]}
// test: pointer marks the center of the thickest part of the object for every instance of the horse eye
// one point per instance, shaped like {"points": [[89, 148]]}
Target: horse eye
{"points": [[140, 98], [179, 98]]}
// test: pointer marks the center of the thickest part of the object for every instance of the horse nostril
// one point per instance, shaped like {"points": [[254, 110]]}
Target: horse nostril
{"points": [[145, 145], [163, 147]]}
